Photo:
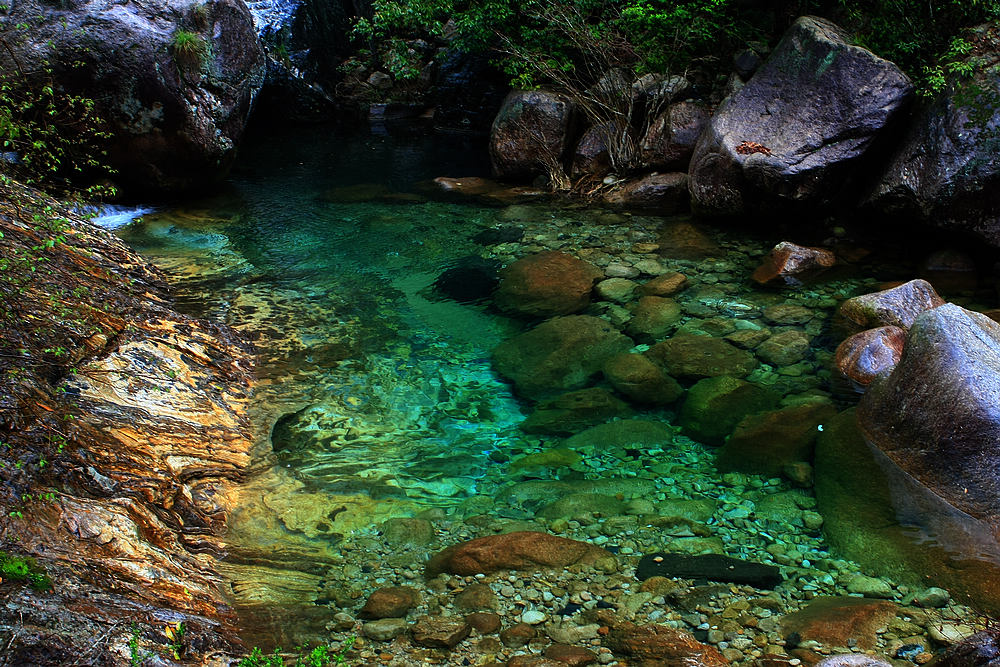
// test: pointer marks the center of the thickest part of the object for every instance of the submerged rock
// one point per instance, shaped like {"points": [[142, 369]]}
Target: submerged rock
{"points": [[640, 380], [840, 621], [687, 356], [767, 442], [661, 645], [546, 284], [714, 406], [574, 411], [710, 566], [663, 193], [514, 551], [798, 128]]}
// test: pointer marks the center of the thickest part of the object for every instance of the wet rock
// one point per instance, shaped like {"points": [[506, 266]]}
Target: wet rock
{"points": [[786, 314], [392, 602], [932, 598], [497, 235], [793, 263], [870, 353], [621, 434], [562, 353], [653, 318], [836, 621], [640, 380], [533, 661], [385, 630], [469, 186], [532, 126], [767, 442], [784, 348], [897, 306], [550, 458], [591, 155], [748, 339], [661, 645], [946, 170], [578, 504], [667, 284], [935, 412], [980, 650], [440, 631], [403, 530], [574, 411], [701, 357], [468, 280], [685, 240], [484, 623], [517, 635], [574, 656], [853, 660], [664, 193], [710, 566], [714, 406], [833, 98], [477, 596], [546, 284], [869, 587], [513, 551], [670, 139], [176, 118], [619, 290]]}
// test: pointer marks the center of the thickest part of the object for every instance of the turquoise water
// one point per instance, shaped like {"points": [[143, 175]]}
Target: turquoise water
{"points": [[377, 396]]}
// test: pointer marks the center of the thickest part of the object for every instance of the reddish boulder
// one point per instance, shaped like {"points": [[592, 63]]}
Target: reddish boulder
{"points": [[898, 306], [525, 550], [671, 137], [574, 656], [546, 284], [665, 193], [591, 155], [836, 621], [873, 352], [792, 263], [937, 415], [391, 602], [661, 645], [530, 131]]}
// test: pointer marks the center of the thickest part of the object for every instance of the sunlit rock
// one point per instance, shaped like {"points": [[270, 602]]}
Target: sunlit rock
{"points": [[897, 306]]}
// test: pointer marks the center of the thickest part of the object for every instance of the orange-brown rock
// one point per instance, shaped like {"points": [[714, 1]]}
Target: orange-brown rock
{"points": [[897, 306], [666, 285], [574, 656], [546, 284], [390, 602], [793, 262], [870, 353], [661, 646], [440, 631], [836, 621], [526, 550]]}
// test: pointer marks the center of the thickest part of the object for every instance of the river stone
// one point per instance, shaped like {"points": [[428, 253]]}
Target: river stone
{"points": [[531, 127], [571, 656], [766, 442], [653, 318], [946, 170], [574, 411], [836, 620], [663, 193], [176, 119], [685, 240], [518, 635], [440, 631], [578, 504], [619, 290], [793, 263], [661, 645], [485, 623], [640, 380], [784, 348], [877, 515], [710, 566], [559, 354], [937, 415], [523, 550], [671, 136], [897, 306], [476, 597], [785, 314], [853, 660], [391, 602], [623, 434], [814, 108], [869, 587], [667, 284], [695, 357], [385, 630], [870, 353], [980, 650], [714, 406], [399, 531], [550, 458], [546, 284]]}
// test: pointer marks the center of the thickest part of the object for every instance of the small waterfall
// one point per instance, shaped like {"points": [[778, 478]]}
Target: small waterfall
{"points": [[271, 16]]}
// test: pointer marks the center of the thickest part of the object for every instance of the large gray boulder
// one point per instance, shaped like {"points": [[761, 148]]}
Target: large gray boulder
{"points": [[531, 133], [177, 105], [796, 130], [946, 170], [937, 415]]}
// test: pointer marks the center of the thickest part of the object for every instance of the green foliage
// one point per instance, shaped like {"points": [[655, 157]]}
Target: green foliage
{"points": [[320, 656], [187, 43], [24, 569]]}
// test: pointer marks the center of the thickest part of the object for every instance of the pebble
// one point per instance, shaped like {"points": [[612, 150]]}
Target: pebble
{"points": [[533, 617]]}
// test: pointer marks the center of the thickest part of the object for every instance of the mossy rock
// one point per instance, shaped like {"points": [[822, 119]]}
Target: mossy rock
{"points": [[714, 406]]}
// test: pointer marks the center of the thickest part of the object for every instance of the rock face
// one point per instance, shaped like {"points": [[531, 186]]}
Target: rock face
{"points": [[177, 113], [546, 284], [898, 306], [946, 171], [794, 132], [672, 135], [559, 354], [532, 127], [159, 433], [513, 551], [937, 415]]}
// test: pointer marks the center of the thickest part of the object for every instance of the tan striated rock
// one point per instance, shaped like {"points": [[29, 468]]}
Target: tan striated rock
{"points": [[870, 353], [897, 306], [524, 550]]}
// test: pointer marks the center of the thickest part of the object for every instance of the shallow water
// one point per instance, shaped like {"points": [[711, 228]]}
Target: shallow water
{"points": [[377, 394]]}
